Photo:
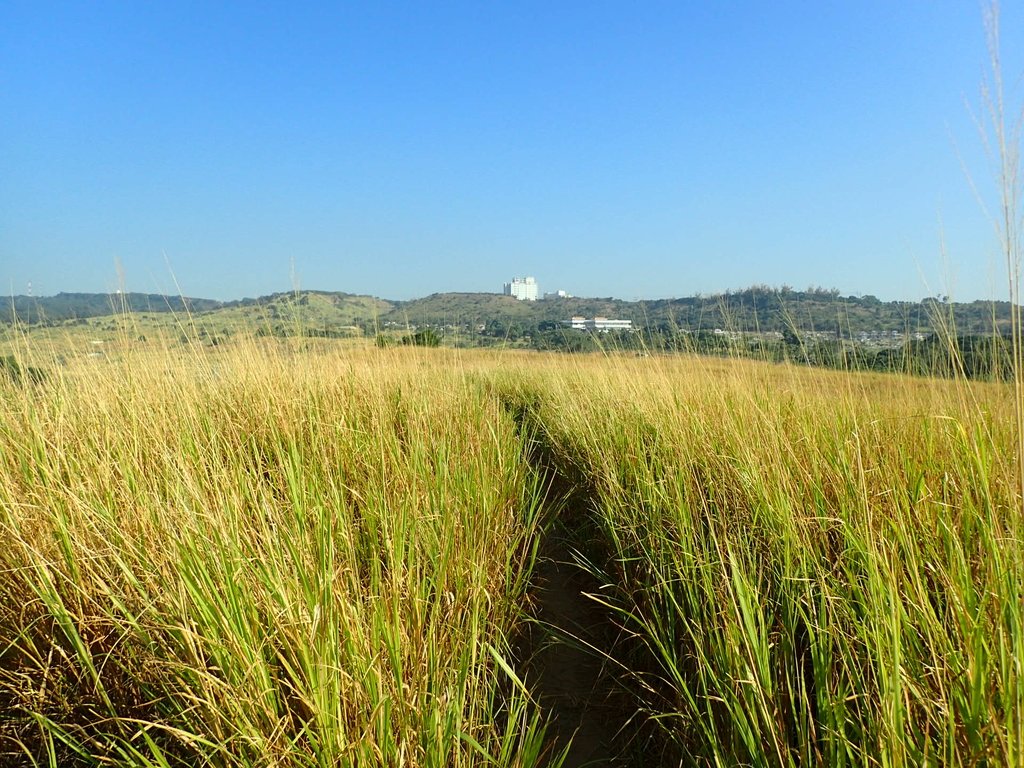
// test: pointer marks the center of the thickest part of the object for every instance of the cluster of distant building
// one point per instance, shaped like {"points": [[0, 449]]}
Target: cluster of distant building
{"points": [[527, 289], [523, 288]]}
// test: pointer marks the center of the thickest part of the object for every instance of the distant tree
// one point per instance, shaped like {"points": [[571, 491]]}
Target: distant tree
{"points": [[791, 338], [13, 371], [427, 337]]}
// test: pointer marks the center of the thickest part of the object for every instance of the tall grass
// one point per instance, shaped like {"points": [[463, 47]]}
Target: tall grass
{"points": [[259, 557], [259, 554], [1001, 132], [822, 568]]}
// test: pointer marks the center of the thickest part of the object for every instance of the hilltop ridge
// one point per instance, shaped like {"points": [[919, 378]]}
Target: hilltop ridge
{"points": [[756, 309]]}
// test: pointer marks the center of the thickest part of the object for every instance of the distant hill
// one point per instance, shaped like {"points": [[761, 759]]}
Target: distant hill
{"points": [[759, 308], [326, 311], [466, 308], [778, 309], [73, 306], [318, 307]]}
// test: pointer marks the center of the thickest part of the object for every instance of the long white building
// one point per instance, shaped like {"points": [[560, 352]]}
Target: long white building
{"points": [[523, 288], [601, 324]]}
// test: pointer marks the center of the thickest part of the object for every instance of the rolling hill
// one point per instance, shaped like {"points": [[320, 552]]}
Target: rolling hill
{"points": [[328, 312]]}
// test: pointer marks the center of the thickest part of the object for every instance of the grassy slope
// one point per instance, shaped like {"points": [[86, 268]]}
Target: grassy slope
{"points": [[305, 310], [820, 568], [753, 309], [310, 311], [450, 308], [306, 554], [264, 558]]}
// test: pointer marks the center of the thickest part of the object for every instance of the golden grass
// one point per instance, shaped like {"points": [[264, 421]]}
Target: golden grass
{"points": [[267, 553], [260, 557], [822, 567]]}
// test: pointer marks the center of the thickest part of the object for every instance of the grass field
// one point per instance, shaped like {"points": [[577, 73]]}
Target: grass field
{"points": [[268, 553], [817, 568]]}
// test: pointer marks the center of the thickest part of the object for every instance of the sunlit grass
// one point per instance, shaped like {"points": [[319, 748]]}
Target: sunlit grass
{"points": [[823, 568], [271, 553], [262, 558]]}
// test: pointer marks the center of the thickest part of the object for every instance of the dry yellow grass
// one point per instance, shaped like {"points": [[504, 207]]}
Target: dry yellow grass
{"points": [[269, 553]]}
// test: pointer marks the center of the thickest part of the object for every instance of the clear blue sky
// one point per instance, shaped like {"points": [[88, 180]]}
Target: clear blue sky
{"points": [[626, 149]]}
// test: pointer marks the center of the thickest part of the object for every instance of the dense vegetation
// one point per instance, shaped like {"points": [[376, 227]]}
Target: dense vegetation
{"points": [[814, 327], [760, 309], [273, 560], [265, 552], [816, 568], [73, 306]]}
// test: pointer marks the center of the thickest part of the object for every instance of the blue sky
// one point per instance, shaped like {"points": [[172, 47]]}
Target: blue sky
{"points": [[635, 150]]}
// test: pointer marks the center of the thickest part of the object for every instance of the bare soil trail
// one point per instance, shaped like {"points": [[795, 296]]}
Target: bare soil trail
{"points": [[566, 653], [570, 677]]}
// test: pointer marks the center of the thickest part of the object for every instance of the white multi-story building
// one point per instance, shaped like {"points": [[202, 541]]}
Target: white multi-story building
{"points": [[523, 288]]}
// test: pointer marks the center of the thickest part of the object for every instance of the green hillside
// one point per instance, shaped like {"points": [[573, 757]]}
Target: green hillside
{"points": [[310, 312], [41, 310], [481, 308], [757, 309], [774, 309]]}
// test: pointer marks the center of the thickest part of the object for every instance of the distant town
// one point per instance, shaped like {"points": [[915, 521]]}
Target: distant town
{"points": [[814, 326], [526, 289]]}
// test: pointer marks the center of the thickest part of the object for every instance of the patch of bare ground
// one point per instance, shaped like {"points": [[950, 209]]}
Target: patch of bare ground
{"points": [[567, 670], [571, 654]]}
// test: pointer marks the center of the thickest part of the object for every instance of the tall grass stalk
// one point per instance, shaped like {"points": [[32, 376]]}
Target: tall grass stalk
{"points": [[262, 557], [1002, 135], [821, 565]]}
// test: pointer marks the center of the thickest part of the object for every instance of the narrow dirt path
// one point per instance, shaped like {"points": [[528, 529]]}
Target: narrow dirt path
{"points": [[562, 654], [570, 679]]}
